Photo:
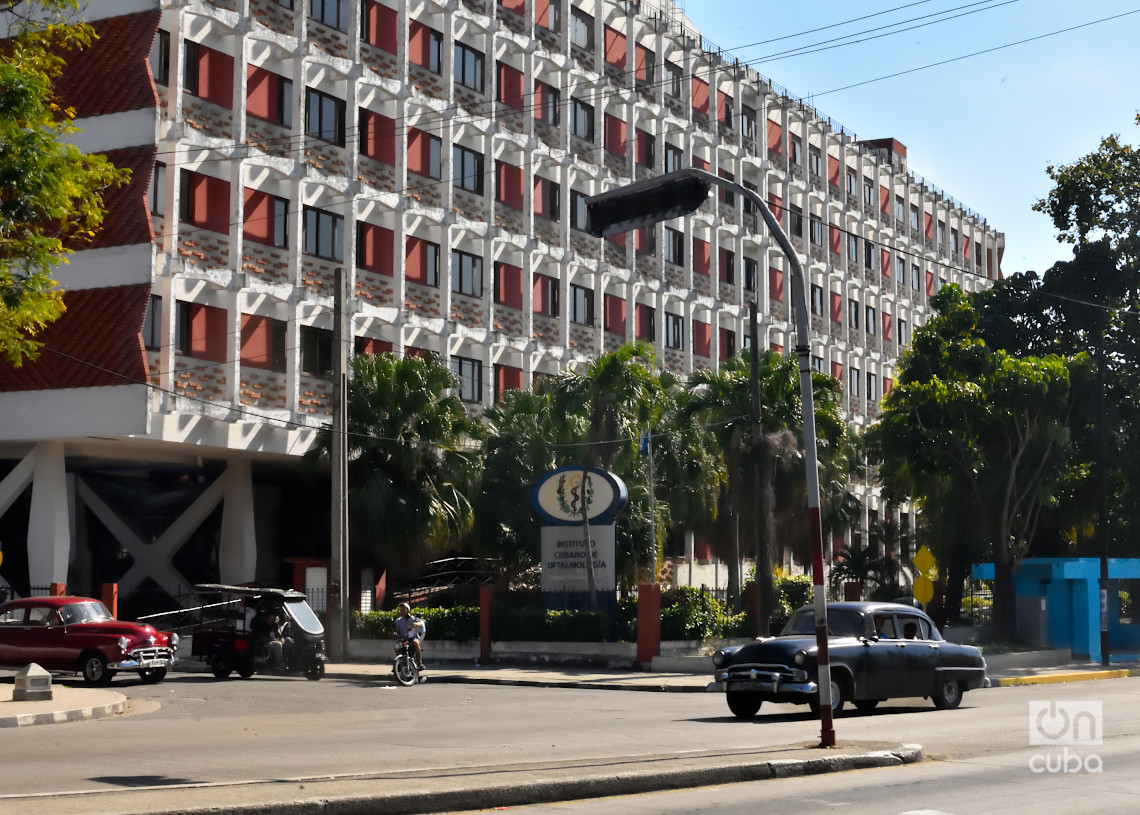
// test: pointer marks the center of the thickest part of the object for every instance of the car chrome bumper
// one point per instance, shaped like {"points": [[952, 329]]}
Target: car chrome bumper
{"points": [[144, 660], [753, 681]]}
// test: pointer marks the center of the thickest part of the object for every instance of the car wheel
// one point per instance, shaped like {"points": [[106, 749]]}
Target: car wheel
{"points": [[152, 676], [948, 694], [743, 705], [222, 668], [246, 668], [837, 698], [93, 666], [867, 705], [315, 670]]}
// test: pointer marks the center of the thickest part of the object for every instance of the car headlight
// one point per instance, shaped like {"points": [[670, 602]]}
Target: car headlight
{"points": [[123, 643], [719, 658], [173, 640], [800, 658]]}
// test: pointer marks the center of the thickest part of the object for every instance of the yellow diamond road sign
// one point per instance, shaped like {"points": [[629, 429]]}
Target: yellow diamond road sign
{"points": [[924, 561], [923, 589]]}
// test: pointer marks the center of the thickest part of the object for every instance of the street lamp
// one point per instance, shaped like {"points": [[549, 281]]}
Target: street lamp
{"points": [[672, 195]]}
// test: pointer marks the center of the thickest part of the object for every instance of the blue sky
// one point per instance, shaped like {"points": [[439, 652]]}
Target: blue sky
{"points": [[985, 128]]}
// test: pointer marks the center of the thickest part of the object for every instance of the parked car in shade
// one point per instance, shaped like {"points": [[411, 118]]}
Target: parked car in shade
{"points": [[78, 634], [877, 651]]}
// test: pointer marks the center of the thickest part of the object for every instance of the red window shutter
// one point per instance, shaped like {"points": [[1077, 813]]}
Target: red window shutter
{"points": [[215, 77], [888, 326], [510, 86], [776, 204], [775, 284], [509, 188], [702, 339], [990, 263], [415, 260], [702, 257], [702, 550], [721, 103], [417, 151], [700, 96], [700, 163], [540, 293], [380, 137], [884, 199], [928, 226], [615, 48], [260, 98], [256, 344], [886, 267], [643, 321], [376, 246], [509, 285], [643, 60], [258, 226], [382, 23], [214, 340], [211, 207], [966, 246], [642, 153], [834, 238], [517, 6], [775, 347], [837, 371], [371, 345], [833, 171], [419, 43], [615, 314], [641, 239], [888, 383], [618, 239], [542, 204], [615, 135], [507, 378], [930, 284], [724, 343], [542, 13], [775, 137], [836, 307]]}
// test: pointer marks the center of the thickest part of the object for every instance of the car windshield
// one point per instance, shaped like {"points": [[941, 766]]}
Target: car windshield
{"points": [[304, 616], [89, 612], [839, 623]]}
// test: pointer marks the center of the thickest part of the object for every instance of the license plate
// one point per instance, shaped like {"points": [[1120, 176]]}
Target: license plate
{"points": [[749, 685], [152, 663]]}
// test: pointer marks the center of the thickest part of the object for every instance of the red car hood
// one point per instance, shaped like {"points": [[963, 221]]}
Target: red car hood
{"points": [[132, 631]]}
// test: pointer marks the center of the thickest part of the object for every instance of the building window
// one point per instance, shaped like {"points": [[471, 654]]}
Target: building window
{"points": [[795, 148], [817, 231], [727, 115], [673, 77], [868, 193], [581, 29], [645, 149], [748, 122], [266, 219], [852, 247], [578, 212], [954, 240], [425, 154], [900, 268], [871, 323], [817, 364], [674, 158], [333, 13], [546, 98], [547, 199], [468, 67], [900, 208], [853, 313], [727, 266], [157, 196], [941, 233], [545, 295], [325, 118], [869, 254], [152, 324], [466, 274], [852, 182], [796, 221], [872, 386], [316, 351], [269, 97], [582, 119], [751, 272], [674, 331], [904, 335], [552, 19], [581, 305], [160, 58], [855, 376], [467, 171], [816, 299], [469, 372], [913, 216], [815, 161], [674, 246], [915, 277], [324, 234]]}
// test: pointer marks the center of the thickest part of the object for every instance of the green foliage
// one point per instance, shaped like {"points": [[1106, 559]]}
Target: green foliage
{"points": [[51, 194], [460, 623], [687, 613], [509, 623]]}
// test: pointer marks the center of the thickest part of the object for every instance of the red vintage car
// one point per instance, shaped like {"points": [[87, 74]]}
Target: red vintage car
{"points": [[79, 634]]}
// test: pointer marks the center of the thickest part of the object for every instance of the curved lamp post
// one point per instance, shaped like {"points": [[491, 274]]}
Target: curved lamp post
{"points": [[673, 195]]}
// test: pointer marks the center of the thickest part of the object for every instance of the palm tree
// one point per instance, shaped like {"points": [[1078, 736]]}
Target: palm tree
{"points": [[413, 467]]}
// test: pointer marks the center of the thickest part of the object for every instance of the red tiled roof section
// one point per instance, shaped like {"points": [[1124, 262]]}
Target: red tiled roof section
{"points": [[97, 343], [113, 74], [128, 218]]}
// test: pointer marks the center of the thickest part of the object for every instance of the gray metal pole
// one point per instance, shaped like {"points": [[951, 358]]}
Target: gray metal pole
{"points": [[339, 600]]}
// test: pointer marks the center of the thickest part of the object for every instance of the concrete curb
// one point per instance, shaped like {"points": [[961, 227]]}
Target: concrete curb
{"points": [[662, 687], [112, 707], [1054, 678], [552, 790]]}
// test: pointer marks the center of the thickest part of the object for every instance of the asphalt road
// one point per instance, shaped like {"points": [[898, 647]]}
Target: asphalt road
{"points": [[194, 731]]}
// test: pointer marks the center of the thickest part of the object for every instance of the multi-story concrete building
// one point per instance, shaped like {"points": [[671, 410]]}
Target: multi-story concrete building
{"points": [[441, 153]]}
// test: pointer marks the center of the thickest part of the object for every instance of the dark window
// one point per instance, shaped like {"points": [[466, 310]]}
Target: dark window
{"points": [[468, 67], [817, 231], [333, 13], [546, 103], [152, 324], [751, 272], [853, 313], [546, 295], [578, 215], [674, 331], [913, 216], [581, 29], [674, 246], [581, 305], [158, 189], [915, 277], [871, 322], [470, 375], [795, 150], [324, 234], [816, 299], [468, 169], [748, 122], [796, 221], [674, 158], [815, 160], [673, 77], [582, 119], [466, 273], [316, 351], [326, 114], [431, 263], [160, 58]]}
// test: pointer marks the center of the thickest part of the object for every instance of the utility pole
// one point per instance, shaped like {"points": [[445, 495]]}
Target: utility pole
{"points": [[339, 600]]}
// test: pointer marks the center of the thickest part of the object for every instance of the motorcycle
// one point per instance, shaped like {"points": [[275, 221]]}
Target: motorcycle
{"points": [[404, 665]]}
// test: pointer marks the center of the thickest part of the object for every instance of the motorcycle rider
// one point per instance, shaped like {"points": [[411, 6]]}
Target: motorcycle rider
{"points": [[410, 628]]}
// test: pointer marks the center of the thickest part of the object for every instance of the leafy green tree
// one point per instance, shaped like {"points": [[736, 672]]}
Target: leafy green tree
{"points": [[413, 460], [967, 419], [51, 194]]}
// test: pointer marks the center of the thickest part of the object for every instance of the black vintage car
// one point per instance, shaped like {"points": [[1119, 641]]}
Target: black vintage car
{"points": [[877, 651]]}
